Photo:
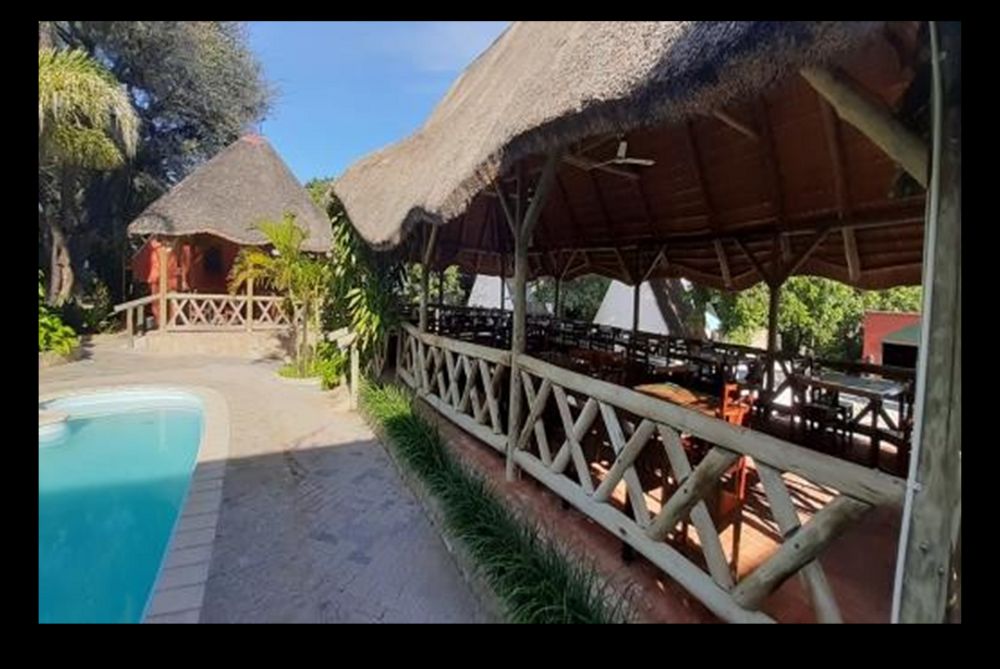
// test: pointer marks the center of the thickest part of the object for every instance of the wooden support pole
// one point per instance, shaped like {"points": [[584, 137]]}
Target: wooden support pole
{"points": [[635, 309], [129, 327], [875, 122], [355, 374], [522, 240], [503, 278], [555, 307], [162, 255], [773, 302], [249, 312], [425, 276], [931, 515]]}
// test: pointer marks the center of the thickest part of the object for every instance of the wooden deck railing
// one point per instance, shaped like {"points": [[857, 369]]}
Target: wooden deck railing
{"points": [[462, 381], [575, 426], [196, 312]]}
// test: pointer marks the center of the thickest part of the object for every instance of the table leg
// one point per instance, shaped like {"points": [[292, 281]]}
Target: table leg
{"points": [[875, 446]]}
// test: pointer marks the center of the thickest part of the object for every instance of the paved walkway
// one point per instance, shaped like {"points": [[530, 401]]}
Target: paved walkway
{"points": [[315, 524]]}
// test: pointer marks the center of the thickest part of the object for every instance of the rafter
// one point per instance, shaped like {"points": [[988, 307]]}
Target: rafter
{"points": [[699, 172], [765, 275], [736, 125], [841, 191], [720, 253]]}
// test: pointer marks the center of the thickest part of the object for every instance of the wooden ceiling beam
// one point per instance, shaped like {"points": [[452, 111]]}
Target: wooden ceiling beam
{"points": [[842, 194], [720, 252], [757, 265], [855, 106]]}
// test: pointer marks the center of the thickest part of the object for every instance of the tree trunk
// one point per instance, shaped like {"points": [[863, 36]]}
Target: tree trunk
{"points": [[61, 264], [670, 297], [60, 267]]}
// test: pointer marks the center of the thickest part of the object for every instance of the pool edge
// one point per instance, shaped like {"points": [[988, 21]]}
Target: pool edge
{"points": [[179, 590]]}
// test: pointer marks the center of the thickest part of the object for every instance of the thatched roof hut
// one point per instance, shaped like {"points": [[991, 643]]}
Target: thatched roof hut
{"points": [[245, 183], [743, 165]]}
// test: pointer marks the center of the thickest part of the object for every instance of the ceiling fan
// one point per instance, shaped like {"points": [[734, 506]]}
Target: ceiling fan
{"points": [[622, 159]]}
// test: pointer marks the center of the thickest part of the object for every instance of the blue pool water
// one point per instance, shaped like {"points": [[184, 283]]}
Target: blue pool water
{"points": [[111, 482]]}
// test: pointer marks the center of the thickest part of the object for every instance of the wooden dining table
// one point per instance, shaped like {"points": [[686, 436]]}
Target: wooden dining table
{"points": [[876, 392]]}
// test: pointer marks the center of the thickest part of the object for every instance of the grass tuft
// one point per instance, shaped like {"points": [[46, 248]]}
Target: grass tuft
{"points": [[533, 580]]}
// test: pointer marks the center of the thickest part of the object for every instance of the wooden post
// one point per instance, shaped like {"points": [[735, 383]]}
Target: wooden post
{"points": [[250, 304], [522, 240], [355, 374], [931, 513], [162, 255], [635, 319], [129, 328], [503, 274], [555, 306], [774, 299], [425, 277]]}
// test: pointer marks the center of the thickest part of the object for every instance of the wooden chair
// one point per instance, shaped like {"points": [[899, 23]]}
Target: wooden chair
{"points": [[823, 413]]}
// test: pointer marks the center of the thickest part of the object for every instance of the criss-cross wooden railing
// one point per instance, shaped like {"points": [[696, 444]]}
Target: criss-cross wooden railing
{"points": [[463, 381], [592, 443], [192, 311]]}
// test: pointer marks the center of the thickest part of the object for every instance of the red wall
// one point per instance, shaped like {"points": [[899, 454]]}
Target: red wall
{"points": [[186, 266], [878, 324]]}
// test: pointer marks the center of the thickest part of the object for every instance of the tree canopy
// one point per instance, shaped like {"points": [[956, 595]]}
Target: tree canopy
{"points": [[194, 86], [817, 314]]}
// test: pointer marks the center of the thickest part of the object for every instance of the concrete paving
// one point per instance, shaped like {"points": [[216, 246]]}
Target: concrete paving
{"points": [[315, 523]]}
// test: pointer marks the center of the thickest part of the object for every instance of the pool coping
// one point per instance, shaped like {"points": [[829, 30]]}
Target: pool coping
{"points": [[179, 590]]}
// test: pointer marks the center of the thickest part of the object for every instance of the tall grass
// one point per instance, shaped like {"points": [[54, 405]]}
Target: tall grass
{"points": [[533, 580]]}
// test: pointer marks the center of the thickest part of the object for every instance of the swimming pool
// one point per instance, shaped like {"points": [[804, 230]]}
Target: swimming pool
{"points": [[111, 483]]}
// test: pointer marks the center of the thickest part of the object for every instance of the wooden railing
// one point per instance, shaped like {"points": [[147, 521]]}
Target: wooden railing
{"points": [[589, 440], [463, 381], [190, 311], [196, 312]]}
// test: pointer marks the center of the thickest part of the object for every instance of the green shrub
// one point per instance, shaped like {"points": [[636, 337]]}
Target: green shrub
{"points": [[329, 364], [53, 334], [91, 312], [531, 577]]}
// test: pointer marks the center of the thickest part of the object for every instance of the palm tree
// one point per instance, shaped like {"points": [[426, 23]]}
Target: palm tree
{"points": [[304, 280], [85, 121]]}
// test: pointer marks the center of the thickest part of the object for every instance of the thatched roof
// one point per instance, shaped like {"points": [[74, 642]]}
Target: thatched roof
{"points": [[659, 85], [245, 183]]}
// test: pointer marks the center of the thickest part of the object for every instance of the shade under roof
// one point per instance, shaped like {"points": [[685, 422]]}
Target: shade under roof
{"points": [[751, 167]]}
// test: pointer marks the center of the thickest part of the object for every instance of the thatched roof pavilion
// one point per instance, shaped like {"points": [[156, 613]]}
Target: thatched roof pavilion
{"points": [[745, 151], [247, 182], [726, 153]]}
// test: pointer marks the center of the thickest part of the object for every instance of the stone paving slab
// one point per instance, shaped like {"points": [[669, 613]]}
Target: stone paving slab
{"points": [[315, 524]]}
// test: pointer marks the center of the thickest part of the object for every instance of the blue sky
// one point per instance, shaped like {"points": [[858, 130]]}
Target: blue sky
{"points": [[346, 89]]}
